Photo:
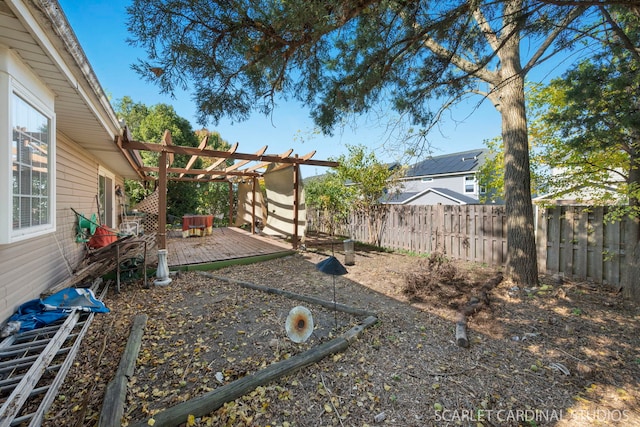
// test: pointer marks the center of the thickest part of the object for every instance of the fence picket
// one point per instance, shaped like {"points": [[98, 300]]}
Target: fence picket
{"points": [[571, 240]]}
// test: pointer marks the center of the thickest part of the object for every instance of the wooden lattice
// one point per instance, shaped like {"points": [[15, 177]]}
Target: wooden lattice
{"points": [[150, 206]]}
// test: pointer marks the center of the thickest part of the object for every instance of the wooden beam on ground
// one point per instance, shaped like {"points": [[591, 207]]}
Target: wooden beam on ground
{"points": [[475, 304], [292, 295], [209, 402], [116, 393]]}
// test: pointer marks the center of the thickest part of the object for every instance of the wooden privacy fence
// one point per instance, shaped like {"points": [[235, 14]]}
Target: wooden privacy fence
{"points": [[573, 241], [576, 242]]}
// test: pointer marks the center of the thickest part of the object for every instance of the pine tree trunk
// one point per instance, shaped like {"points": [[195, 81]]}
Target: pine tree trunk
{"points": [[521, 266]]}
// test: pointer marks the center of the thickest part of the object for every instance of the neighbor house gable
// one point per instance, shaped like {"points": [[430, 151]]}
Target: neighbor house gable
{"points": [[446, 179], [430, 196]]}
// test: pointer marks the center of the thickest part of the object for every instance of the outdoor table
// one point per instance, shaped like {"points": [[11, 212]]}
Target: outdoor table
{"points": [[197, 225]]}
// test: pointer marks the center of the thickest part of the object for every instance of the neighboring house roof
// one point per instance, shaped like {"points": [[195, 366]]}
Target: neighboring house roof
{"points": [[398, 198], [465, 161], [403, 198], [38, 32], [584, 194]]}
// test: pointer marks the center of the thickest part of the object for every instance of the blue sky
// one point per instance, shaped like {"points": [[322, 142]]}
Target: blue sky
{"points": [[100, 27]]}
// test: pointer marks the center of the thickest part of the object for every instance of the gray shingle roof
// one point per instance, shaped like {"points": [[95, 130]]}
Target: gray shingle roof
{"points": [[397, 198], [455, 195]]}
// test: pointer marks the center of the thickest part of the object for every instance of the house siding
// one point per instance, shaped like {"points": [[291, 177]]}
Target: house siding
{"points": [[454, 183], [431, 198], [29, 267]]}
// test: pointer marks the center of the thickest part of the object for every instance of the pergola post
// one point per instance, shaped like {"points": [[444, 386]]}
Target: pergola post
{"points": [[166, 171], [230, 203], [296, 202], [161, 236], [253, 205]]}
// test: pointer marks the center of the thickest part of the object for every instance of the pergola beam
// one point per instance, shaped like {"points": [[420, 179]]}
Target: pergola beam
{"points": [[189, 151], [263, 164], [235, 166], [199, 172], [167, 150], [202, 146], [219, 161], [132, 156]]}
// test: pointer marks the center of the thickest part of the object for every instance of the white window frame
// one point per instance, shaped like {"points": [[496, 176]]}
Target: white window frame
{"points": [[468, 178], [105, 173], [16, 80]]}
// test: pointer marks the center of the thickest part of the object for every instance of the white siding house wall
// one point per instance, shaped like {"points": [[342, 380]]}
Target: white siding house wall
{"points": [[29, 267], [452, 182], [43, 67], [430, 198]]}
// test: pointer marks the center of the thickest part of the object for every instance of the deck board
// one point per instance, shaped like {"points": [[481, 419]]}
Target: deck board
{"points": [[223, 244]]}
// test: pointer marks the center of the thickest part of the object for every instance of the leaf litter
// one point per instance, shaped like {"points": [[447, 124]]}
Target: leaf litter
{"points": [[406, 370]]}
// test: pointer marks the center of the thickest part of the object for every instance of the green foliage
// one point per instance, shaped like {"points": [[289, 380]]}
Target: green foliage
{"points": [[330, 197], [336, 57], [214, 200], [588, 126], [148, 124], [371, 180], [358, 184], [491, 174]]}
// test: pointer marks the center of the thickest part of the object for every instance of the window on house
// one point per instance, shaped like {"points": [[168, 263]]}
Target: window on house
{"points": [[427, 179], [31, 166], [469, 184], [106, 197]]}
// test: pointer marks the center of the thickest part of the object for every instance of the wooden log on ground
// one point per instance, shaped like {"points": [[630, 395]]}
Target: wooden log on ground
{"points": [[475, 304], [292, 295], [116, 393], [461, 331], [209, 402]]}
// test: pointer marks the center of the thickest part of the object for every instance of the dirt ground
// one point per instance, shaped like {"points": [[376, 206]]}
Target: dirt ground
{"points": [[562, 354]]}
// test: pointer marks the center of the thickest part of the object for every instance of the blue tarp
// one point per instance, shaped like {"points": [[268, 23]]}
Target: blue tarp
{"points": [[41, 312]]}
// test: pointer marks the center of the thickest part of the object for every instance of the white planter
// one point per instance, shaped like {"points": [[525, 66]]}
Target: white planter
{"points": [[162, 273]]}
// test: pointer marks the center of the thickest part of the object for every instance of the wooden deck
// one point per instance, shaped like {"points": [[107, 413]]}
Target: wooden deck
{"points": [[224, 244]]}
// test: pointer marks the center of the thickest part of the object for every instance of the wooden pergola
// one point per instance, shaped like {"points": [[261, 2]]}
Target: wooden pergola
{"points": [[247, 166]]}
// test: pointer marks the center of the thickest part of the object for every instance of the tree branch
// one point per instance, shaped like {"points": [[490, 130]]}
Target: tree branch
{"points": [[623, 36], [468, 67], [551, 37]]}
